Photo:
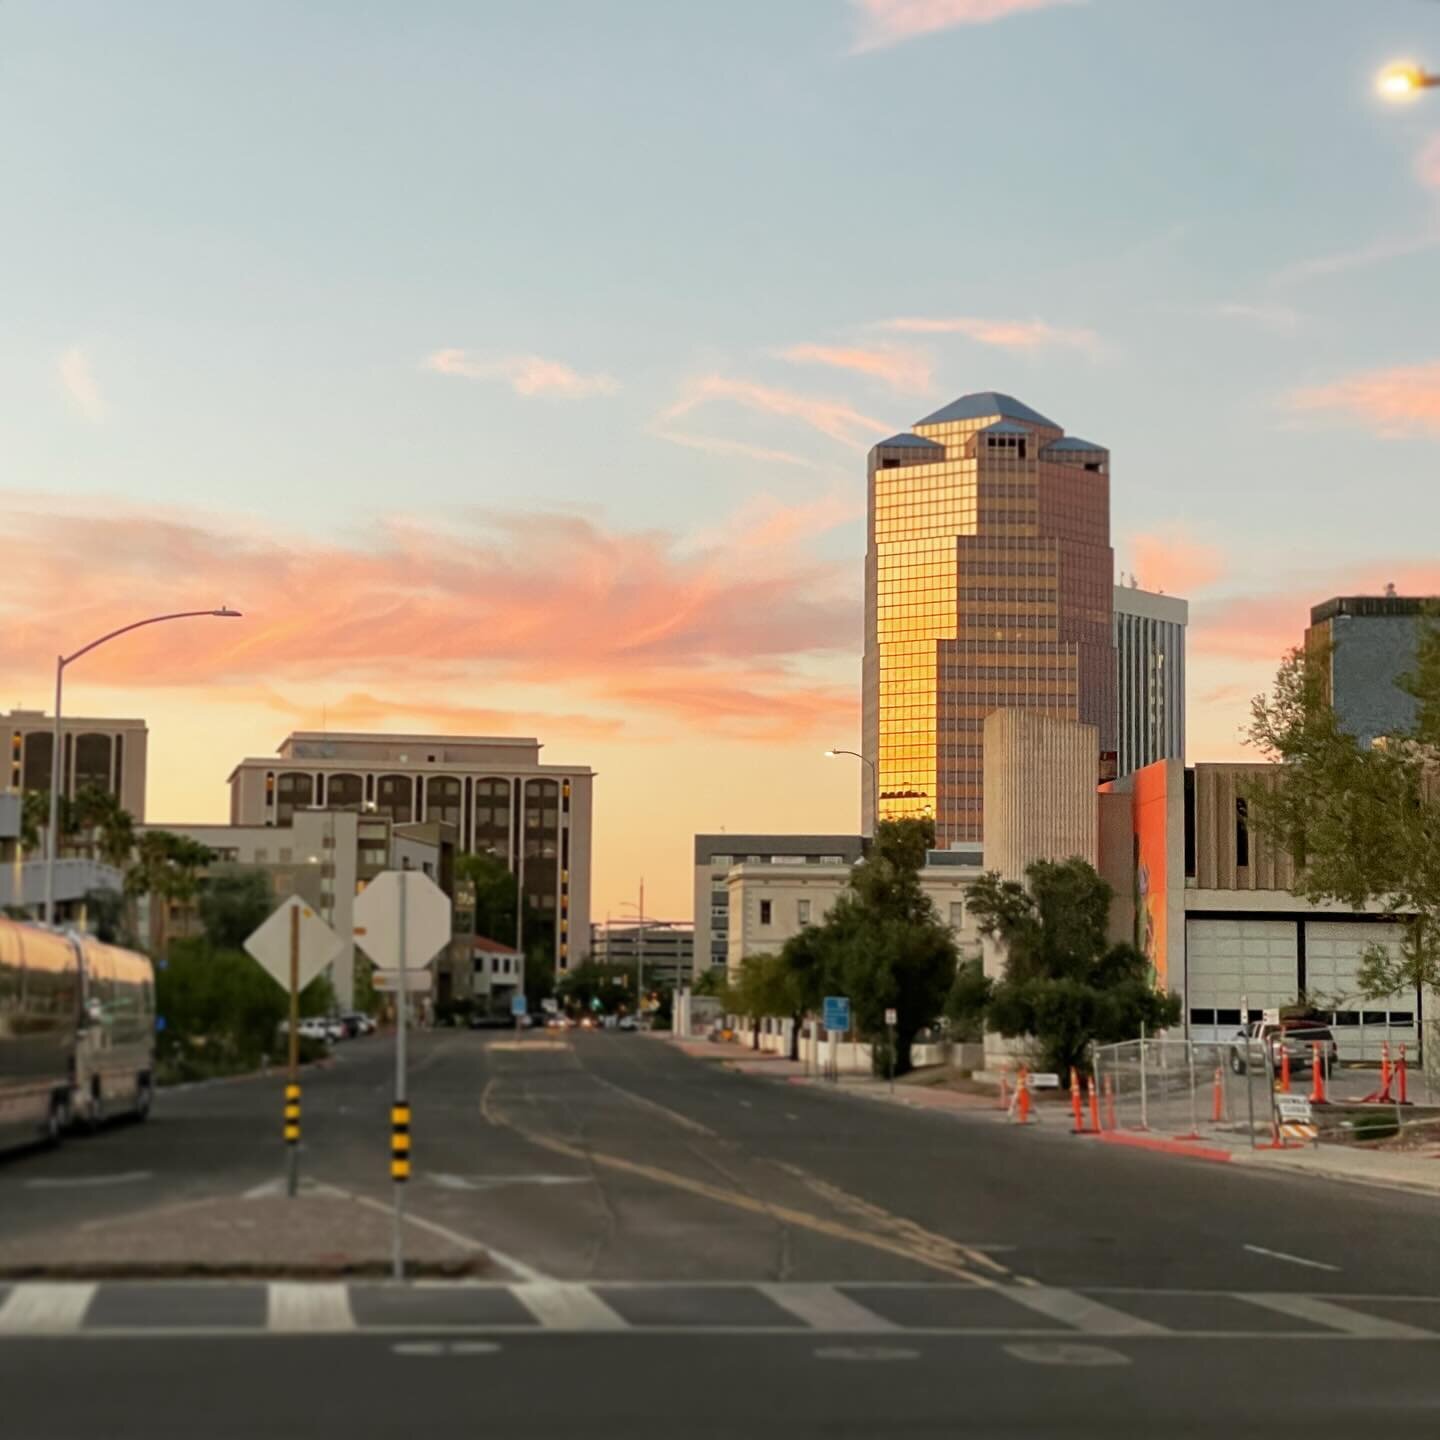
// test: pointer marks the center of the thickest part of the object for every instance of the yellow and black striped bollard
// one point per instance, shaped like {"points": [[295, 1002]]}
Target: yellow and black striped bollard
{"points": [[400, 1143], [292, 1133]]}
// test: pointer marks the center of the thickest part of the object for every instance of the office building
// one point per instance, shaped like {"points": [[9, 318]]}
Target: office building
{"points": [[714, 856], [496, 977], [988, 585], [1150, 677], [1366, 644], [771, 902], [494, 791], [667, 948], [108, 754]]}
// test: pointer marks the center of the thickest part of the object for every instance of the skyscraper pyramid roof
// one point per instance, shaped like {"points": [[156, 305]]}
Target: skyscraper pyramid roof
{"points": [[987, 402]]}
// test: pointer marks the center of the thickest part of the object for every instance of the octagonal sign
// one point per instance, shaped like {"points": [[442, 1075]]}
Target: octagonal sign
{"points": [[377, 919]]}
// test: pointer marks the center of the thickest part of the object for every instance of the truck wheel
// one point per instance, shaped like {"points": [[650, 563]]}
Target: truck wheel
{"points": [[1237, 1064], [58, 1120], [144, 1098]]}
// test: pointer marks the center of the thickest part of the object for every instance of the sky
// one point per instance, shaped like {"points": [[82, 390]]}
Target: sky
{"points": [[511, 364]]}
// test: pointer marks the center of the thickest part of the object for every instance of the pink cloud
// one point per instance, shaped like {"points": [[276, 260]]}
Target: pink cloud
{"points": [[831, 417], [1427, 164], [525, 374], [1174, 563], [889, 22], [1005, 334], [1395, 402], [430, 613], [898, 367], [722, 445], [1377, 252]]}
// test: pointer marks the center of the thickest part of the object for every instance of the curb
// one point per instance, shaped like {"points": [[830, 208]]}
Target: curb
{"points": [[466, 1268], [1165, 1146]]}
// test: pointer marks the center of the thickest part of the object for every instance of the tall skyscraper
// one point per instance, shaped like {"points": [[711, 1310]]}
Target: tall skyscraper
{"points": [[1368, 643], [1150, 666], [988, 579]]}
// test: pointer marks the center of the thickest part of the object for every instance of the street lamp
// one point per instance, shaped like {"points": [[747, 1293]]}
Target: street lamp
{"points": [[642, 923], [1404, 81], [52, 845], [874, 782]]}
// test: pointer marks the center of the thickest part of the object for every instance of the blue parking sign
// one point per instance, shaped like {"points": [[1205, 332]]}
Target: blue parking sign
{"points": [[518, 1005], [837, 1013]]}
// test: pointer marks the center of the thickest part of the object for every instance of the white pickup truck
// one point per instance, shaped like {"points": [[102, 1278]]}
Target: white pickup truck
{"points": [[1297, 1037]]}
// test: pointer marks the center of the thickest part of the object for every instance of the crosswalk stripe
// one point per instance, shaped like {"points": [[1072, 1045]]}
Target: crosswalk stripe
{"points": [[36, 1309], [1080, 1311], [823, 1307], [321, 1309], [1337, 1317], [561, 1306]]}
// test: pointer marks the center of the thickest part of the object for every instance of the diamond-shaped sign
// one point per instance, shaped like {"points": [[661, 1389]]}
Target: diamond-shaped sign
{"points": [[377, 919], [270, 943]]}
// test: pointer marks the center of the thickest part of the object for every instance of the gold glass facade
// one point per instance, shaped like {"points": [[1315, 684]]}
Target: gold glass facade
{"points": [[989, 576]]}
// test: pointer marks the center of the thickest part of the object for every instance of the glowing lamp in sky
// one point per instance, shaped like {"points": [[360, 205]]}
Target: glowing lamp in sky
{"points": [[1404, 80]]}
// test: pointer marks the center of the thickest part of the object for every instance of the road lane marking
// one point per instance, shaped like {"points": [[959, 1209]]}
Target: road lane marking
{"points": [[1080, 1311], [493, 1182], [1293, 1259], [83, 1182], [823, 1307], [1337, 1317], [296, 1307], [866, 1353], [1062, 1353], [446, 1347], [265, 1189], [561, 1306], [947, 1261], [42, 1309]]}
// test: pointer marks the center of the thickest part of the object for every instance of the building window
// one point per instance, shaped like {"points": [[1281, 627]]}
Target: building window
{"points": [[286, 856], [802, 911], [725, 860], [395, 797], [957, 914], [92, 762], [294, 792], [262, 857], [345, 792], [765, 908], [442, 799]]}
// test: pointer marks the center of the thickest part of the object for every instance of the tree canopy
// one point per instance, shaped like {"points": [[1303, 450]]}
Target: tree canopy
{"points": [[233, 902], [1065, 984]]}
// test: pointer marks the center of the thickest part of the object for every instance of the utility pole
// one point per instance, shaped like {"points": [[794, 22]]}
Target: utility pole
{"points": [[640, 955]]}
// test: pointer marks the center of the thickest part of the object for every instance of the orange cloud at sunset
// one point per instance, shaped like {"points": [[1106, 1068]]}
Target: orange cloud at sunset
{"points": [[830, 417], [900, 368], [1175, 564], [889, 22], [1403, 400], [1005, 334]]}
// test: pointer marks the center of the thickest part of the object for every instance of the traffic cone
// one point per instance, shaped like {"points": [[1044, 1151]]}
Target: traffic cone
{"points": [[1386, 1076], [1317, 1085], [1284, 1069], [1217, 1105], [1075, 1105], [1094, 1103], [1404, 1096], [1110, 1104], [1022, 1096]]}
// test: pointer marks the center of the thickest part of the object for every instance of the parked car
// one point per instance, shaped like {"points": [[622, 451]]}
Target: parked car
{"points": [[359, 1022], [316, 1027], [1296, 1037], [627, 1022]]}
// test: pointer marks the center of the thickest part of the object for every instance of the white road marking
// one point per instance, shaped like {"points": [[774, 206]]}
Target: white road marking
{"points": [[36, 1309], [865, 1353], [84, 1182], [1293, 1259], [268, 1187], [1080, 1311], [1338, 1317], [493, 1182], [1065, 1353], [745, 1104], [823, 1307], [446, 1347], [558, 1305], [789, 1116], [317, 1308]]}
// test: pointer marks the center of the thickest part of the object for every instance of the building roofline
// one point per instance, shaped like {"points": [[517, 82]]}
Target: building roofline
{"points": [[381, 736], [1370, 606]]}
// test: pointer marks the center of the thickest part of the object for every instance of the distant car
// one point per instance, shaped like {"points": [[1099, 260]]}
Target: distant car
{"points": [[316, 1027], [1296, 1038], [555, 1022], [589, 1023], [627, 1022], [363, 1024]]}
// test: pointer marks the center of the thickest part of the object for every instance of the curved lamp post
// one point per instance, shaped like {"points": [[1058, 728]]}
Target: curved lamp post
{"points": [[874, 782], [52, 838]]}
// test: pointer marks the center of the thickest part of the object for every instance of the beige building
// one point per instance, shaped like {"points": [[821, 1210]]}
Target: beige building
{"points": [[110, 754], [494, 791], [770, 903]]}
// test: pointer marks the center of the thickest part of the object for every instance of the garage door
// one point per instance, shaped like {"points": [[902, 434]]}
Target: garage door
{"points": [[1332, 955], [1227, 960]]}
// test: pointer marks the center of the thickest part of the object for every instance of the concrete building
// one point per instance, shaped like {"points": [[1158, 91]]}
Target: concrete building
{"points": [[1150, 677], [667, 948], [1367, 642], [716, 854], [771, 902], [493, 790], [1041, 775], [1214, 912], [110, 754], [988, 585], [497, 974]]}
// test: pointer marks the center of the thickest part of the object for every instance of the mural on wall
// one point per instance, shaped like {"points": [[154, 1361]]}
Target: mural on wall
{"points": [[1151, 874]]}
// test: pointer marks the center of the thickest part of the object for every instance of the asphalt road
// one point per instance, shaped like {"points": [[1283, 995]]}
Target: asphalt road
{"points": [[687, 1251]]}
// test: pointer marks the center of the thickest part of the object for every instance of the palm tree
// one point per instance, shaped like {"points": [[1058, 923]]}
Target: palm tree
{"points": [[166, 869]]}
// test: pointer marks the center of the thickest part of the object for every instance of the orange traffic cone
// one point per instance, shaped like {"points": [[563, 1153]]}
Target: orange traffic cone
{"points": [[1094, 1103], [1317, 1085], [1022, 1097], [1284, 1069], [1217, 1106], [1075, 1105]]}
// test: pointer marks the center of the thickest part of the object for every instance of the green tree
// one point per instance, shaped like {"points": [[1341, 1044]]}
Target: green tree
{"points": [[1362, 824], [234, 902], [711, 982], [1064, 985], [96, 822], [166, 868], [612, 985], [487, 889]]}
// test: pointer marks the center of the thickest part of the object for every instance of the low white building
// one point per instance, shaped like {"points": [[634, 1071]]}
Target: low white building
{"points": [[770, 903]]}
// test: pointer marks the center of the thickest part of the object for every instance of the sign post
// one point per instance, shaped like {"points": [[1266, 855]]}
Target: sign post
{"points": [[401, 919], [293, 946], [836, 1019], [891, 1017], [519, 1009]]}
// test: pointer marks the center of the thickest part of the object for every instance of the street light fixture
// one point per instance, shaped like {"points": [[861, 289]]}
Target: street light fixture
{"points": [[1404, 80], [52, 839], [874, 782]]}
